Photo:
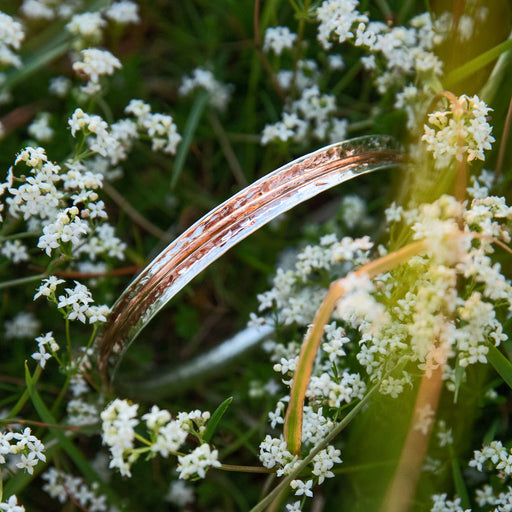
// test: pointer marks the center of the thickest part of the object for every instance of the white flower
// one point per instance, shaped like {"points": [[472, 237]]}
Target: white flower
{"points": [[33, 157], [98, 313], [23, 325], [42, 356], [204, 79], [459, 135], [87, 25], [11, 36], [302, 487], [123, 12], [27, 463], [95, 63], [180, 493], [15, 251], [59, 86], [324, 462], [48, 287], [156, 417], [197, 462], [278, 39], [11, 505], [40, 128]]}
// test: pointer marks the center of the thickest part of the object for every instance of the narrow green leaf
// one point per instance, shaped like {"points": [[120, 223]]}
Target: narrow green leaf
{"points": [[501, 364], [459, 374], [188, 133], [476, 64], [460, 486], [65, 442], [215, 418]]}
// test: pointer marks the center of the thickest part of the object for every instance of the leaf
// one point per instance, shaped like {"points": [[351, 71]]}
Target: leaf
{"points": [[188, 134], [65, 442], [500, 363], [459, 374], [460, 485], [215, 419]]}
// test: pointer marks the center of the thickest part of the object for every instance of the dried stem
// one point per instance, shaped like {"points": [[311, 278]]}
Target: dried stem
{"points": [[232, 160], [403, 486], [134, 214], [294, 412]]}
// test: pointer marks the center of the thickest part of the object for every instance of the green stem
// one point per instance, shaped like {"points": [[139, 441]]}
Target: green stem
{"points": [[303, 14], [16, 236], [68, 338], [347, 78], [61, 395], [88, 346], [21, 280], [245, 469], [143, 439]]}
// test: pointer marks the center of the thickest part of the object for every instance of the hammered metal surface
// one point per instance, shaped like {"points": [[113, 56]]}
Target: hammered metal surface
{"points": [[231, 222]]}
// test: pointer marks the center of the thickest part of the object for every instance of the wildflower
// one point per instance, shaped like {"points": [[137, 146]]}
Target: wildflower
{"points": [[324, 462], [95, 64], [33, 157], [204, 79], [14, 251], [338, 16], [40, 128], [59, 86], [11, 505], [461, 133], [76, 302], [87, 25], [11, 36], [98, 313], [180, 494], [48, 287], [23, 325], [42, 356], [278, 39], [302, 487], [197, 462], [27, 463], [123, 12]]}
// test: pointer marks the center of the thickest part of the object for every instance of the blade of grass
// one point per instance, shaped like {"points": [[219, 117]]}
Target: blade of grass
{"points": [[215, 419], [458, 480], [188, 134], [476, 64], [500, 363]]}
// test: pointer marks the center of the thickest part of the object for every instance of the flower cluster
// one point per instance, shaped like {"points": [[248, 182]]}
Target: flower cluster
{"points": [[219, 93], [462, 132], [166, 437], [11, 36], [278, 39], [93, 65], [29, 448], [309, 116], [63, 486], [43, 343], [159, 127]]}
